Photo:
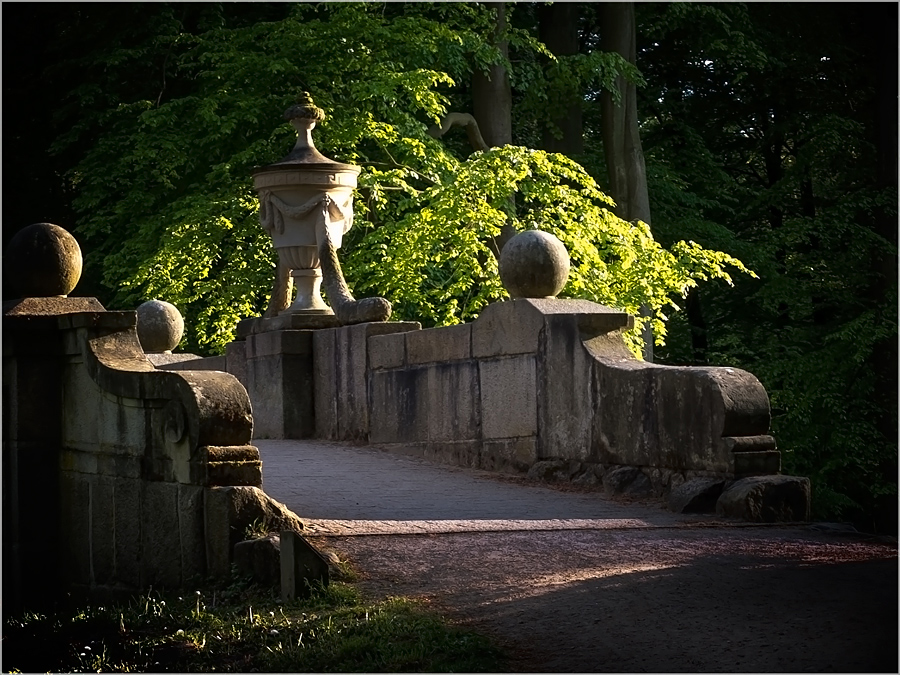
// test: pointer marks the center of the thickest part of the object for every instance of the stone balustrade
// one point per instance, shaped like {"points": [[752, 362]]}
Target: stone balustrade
{"points": [[116, 475]]}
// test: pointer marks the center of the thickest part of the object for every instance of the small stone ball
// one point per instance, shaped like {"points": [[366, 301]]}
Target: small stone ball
{"points": [[42, 260], [159, 326], [534, 264]]}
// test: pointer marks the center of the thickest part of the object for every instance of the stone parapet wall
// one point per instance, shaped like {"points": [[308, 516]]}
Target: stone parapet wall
{"points": [[341, 369], [115, 472], [534, 380], [540, 386]]}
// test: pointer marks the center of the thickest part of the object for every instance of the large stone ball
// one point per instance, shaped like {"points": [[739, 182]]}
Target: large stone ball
{"points": [[159, 326], [42, 260], [534, 264]]}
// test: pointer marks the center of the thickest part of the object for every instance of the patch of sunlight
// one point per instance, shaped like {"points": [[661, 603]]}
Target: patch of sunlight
{"points": [[548, 581], [437, 526]]}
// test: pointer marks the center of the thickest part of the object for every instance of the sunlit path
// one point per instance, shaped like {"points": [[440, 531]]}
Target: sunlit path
{"points": [[343, 489]]}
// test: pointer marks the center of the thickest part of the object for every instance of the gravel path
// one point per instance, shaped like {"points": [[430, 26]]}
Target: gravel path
{"points": [[572, 582], [678, 600]]}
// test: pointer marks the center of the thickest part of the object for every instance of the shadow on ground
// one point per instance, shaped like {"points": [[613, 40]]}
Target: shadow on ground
{"points": [[658, 601]]}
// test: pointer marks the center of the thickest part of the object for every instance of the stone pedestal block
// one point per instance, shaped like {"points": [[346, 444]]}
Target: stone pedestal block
{"points": [[280, 383], [566, 402]]}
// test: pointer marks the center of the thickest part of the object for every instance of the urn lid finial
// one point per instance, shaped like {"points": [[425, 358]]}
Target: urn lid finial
{"points": [[305, 109], [303, 115]]}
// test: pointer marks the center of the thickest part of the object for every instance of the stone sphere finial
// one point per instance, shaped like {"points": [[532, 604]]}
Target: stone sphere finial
{"points": [[159, 326], [534, 264], [42, 260]]}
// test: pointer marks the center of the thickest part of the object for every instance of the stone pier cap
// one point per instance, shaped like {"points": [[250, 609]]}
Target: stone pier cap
{"points": [[515, 326]]}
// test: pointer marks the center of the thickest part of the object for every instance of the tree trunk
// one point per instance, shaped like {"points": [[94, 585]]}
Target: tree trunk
{"points": [[621, 135], [492, 106], [491, 92], [559, 31]]}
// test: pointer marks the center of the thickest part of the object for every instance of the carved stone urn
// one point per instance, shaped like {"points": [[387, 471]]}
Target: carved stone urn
{"points": [[306, 205]]}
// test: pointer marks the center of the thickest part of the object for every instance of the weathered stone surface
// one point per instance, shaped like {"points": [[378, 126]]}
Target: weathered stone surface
{"points": [[589, 476], [350, 361], [159, 326], [515, 326], [52, 306], [509, 454], [566, 402], [508, 397], [534, 264], [387, 351], [236, 360], [505, 329], [280, 383], [399, 405], [213, 406], [759, 443], [325, 384], [160, 554], [127, 523], [92, 418], [766, 499], [456, 453], [74, 529], [102, 533], [191, 533], [205, 363], [169, 361], [450, 343], [550, 470], [287, 321], [759, 463], [697, 495], [249, 506], [627, 480], [301, 566], [259, 559], [667, 416], [42, 260], [229, 512], [341, 372], [277, 343], [452, 401], [231, 465]]}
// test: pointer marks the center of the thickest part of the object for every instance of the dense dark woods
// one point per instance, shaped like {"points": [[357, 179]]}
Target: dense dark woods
{"points": [[767, 131]]}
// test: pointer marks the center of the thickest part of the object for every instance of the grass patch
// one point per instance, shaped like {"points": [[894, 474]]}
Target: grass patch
{"points": [[245, 629]]}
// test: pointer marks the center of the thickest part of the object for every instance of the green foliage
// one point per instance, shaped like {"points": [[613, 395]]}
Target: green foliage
{"points": [[435, 264], [244, 629], [777, 165], [168, 206]]}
